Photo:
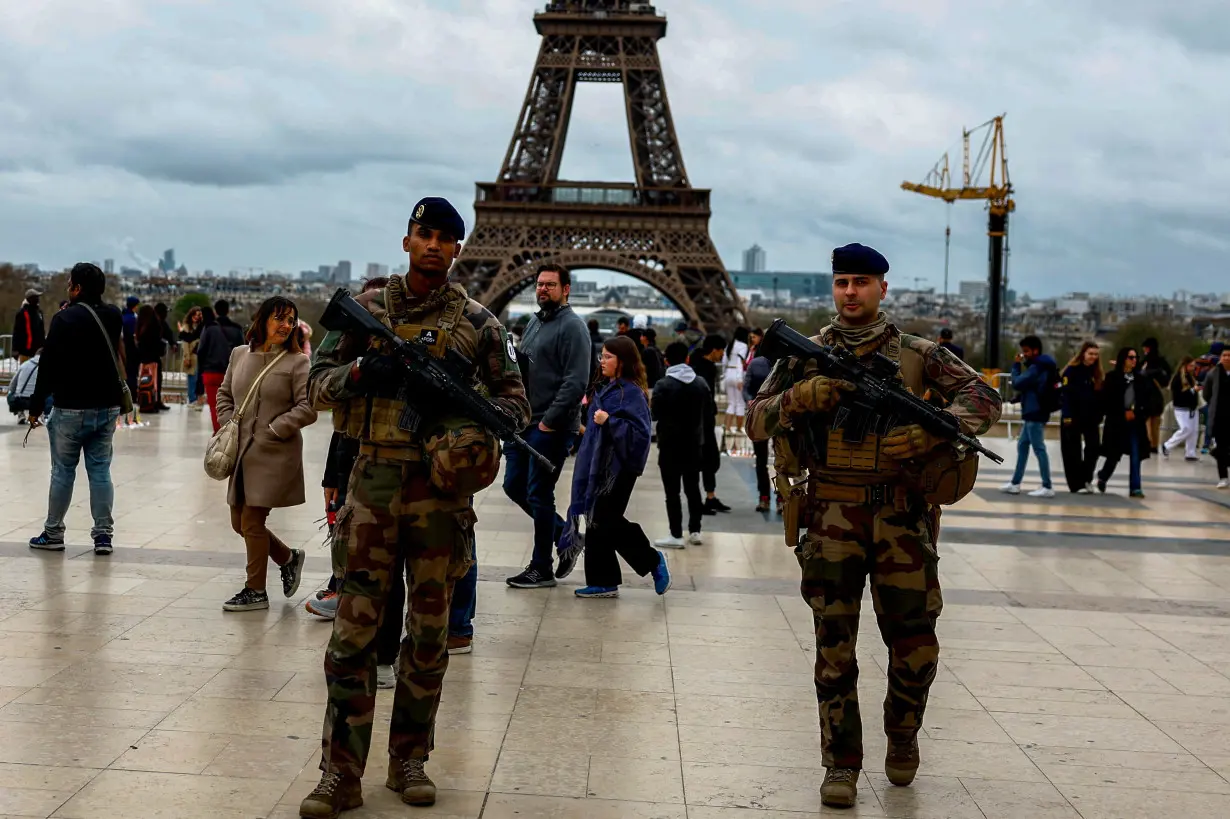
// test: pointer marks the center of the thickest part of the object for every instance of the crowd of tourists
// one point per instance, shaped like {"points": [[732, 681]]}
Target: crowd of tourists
{"points": [[1115, 412]]}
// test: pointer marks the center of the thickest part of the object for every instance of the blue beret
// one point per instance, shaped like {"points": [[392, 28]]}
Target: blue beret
{"points": [[859, 260], [438, 214]]}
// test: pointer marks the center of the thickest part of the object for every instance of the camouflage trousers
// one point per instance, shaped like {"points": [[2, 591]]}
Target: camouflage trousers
{"points": [[845, 543], [392, 509]]}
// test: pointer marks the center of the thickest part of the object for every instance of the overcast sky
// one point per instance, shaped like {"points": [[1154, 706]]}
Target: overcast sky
{"points": [[285, 134]]}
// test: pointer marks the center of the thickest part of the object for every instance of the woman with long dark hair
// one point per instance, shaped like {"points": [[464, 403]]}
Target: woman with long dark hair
{"points": [[149, 337], [1185, 397], [1125, 398], [1081, 415], [614, 450], [269, 471]]}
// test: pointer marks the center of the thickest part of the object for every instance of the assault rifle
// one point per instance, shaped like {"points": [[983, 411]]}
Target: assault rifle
{"points": [[429, 382], [879, 402]]}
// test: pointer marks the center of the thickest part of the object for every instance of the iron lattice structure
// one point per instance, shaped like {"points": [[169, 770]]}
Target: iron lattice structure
{"points": [[656, 229]]}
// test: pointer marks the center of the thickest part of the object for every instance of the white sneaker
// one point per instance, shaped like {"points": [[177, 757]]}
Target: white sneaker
{"points": [[386, 677], [670, 543], [694, 538], [1089, 488], [1223, 484], [1011, 489], [1085, 490], [1042, 492]]}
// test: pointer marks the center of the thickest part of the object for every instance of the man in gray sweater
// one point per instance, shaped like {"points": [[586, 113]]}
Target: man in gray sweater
{"points": [[555, 357]]}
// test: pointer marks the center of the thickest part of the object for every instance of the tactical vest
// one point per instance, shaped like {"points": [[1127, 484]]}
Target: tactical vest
{"points": [[436, 323], [832, 458]]}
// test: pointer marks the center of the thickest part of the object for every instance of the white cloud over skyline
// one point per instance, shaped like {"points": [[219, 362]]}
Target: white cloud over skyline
{"points": [[287, 134]]}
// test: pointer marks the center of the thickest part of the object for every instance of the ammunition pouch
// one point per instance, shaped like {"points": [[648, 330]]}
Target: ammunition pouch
{"points": [[464, 457], [946, 477]]}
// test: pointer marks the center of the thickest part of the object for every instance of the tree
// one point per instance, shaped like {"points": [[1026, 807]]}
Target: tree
{"points": [[1175, 339], [185, 303]]}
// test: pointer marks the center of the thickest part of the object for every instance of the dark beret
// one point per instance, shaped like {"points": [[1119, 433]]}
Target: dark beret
{"points": [[859, 260], [438, 214]]}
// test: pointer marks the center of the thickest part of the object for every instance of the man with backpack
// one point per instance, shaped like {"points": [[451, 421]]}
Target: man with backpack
{"points": [[1035, 377]]}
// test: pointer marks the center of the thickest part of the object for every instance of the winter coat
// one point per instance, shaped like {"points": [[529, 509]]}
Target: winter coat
{"points": [[1080, 399], [1031, 382], [270, 443], [28, 330], [1117, 431], [1212, 388], [1157, 370], [680, 405]]}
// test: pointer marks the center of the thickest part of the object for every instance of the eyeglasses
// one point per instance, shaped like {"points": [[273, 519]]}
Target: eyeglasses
{"points": [[1132, 357], [547, 285]]}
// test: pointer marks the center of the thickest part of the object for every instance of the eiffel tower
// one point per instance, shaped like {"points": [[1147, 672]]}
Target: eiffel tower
{"points": [[656, 229]]}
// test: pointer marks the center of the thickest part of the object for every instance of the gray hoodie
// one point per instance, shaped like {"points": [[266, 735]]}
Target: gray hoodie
{"points": [[558, 350]]}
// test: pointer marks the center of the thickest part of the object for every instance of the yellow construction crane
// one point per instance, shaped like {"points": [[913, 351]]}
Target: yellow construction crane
{"points": [[992, 158]]}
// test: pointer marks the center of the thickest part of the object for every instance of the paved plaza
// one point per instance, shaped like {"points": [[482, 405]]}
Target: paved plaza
{"points": [[1085, 662]]}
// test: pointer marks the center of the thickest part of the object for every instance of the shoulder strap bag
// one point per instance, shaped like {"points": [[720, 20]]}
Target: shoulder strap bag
{"points": [[222, 452], [125, 393]]}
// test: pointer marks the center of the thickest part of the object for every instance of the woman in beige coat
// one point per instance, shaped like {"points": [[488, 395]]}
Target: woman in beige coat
{"points": [[269, 470]]}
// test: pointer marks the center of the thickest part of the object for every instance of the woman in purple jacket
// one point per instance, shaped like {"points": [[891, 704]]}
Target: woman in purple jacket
{"points": [[614, 450]]}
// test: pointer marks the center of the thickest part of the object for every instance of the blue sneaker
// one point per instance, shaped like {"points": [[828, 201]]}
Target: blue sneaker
{"points": [[598, 591], [661, 575], [102, 544], [47, 543]]}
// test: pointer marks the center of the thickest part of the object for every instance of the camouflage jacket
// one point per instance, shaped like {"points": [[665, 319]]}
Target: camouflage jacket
{"points": [[974, 403], [447, 316]]}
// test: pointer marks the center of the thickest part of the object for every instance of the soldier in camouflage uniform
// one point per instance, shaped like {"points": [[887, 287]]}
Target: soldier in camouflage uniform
{"points": [[409, 496], [861, 518]]}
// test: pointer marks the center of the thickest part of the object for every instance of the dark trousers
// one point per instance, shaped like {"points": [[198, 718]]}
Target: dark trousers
{"points": [[711, 461], [532, 487], [1078, 443], [610, 533], [1222, 436], [761, 448], [1113, 458], [680, 471]]}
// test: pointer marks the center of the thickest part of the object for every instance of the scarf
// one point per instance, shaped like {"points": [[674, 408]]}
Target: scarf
{"points": [[610, 450], [864, 339]]}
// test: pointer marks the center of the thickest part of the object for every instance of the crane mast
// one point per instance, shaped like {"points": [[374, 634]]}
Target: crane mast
{"points": [[992, 158]]}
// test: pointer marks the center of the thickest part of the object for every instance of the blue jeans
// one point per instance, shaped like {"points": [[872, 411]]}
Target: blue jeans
{"points": [[191, 388], [1033, 434], [71, 432], [532, 487], [1112, 459]]}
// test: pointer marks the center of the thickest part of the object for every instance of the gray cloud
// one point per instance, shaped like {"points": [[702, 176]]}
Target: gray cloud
{"points": [[292, 134]]}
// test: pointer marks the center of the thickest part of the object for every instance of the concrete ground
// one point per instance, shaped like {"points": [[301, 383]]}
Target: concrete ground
{"points": [[1085, 662]]}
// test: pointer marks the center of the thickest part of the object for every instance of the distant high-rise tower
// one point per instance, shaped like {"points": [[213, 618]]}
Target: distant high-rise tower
{"points": [[754, 259], [341, 273], [376, 270], [108, 266], [167, 263]]}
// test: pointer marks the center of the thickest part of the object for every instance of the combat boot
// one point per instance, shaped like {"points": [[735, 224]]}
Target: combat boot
{"points": [[901, 761], [840, 788], [407, 777], [334, 794]]}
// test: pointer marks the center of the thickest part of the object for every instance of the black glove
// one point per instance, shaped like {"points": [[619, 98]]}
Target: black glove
{"points": [[380, 374]]}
